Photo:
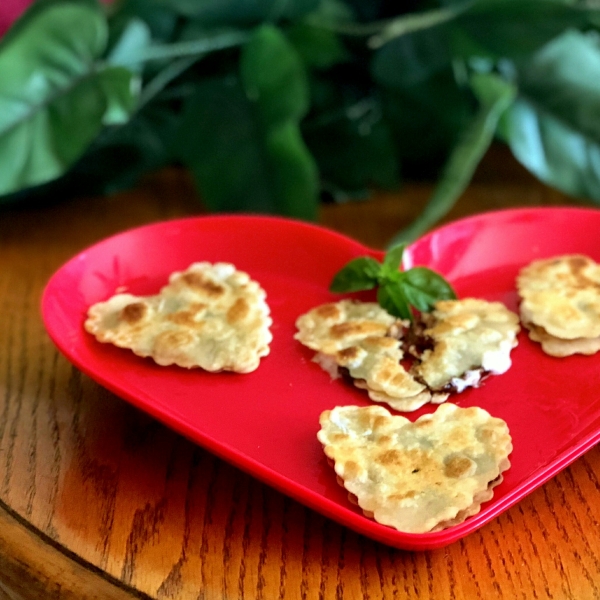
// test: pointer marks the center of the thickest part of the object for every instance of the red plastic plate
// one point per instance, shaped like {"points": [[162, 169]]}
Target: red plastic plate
{"points": [[266, 422]]}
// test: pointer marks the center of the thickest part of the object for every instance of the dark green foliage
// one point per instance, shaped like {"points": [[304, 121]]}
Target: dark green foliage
{"points": [[269, 102]]}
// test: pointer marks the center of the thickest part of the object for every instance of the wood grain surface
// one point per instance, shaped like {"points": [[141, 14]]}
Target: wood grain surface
{"points": [[98, 500]]}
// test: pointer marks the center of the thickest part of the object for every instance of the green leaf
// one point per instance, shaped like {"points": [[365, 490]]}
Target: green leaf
{"points": [[553, 128], [393, 257], [465, 157], [391, 298], [515, 29], [412, 59], [220, 140], [164, 77], [559, 155], [273, 77], [354, 149], [162, 21], [359, 274], [398, 290], [241, 137], [293, 175], [423, 288], [120, 155], [128, 49], [564, 80], [319, 48], [316, 41], [240, 12], [210, 42], [415, 46], [426, 119], [142, 145], [54, 94], [33, 11], [414, 23], [116, 86]]}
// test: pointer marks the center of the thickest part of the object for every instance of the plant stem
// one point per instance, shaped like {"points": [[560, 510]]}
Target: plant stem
{"points": [[164, 77], [193, 48], [416, 22], [381, 32], [461, 165]]}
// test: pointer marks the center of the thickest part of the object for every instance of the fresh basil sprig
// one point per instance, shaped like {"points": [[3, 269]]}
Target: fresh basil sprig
{"points": [[398, 291]]}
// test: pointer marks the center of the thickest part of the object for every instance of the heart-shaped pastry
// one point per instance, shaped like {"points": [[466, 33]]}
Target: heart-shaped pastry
{"points": [[561, 304], [470, 338], [456, 346], [416, 477], [210, 316], [361, 338]]}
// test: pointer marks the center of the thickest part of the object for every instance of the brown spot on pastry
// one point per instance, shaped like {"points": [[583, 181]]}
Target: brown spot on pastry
{"points": [[185, 318], [404, 496], [459, 466], [196, 281], [196, 307], [327, 311], [351, 469], [132, 313], [172, 340], [390, 457], [238, 311], [348, 354], [342, 330]]}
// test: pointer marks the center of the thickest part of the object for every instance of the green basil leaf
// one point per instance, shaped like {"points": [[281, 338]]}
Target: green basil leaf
{"points": [[47, 121], [391, 298], [393, 257], [359, 274], [423, 287]]}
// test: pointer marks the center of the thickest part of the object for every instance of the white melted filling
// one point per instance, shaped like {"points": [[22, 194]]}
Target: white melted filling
{"points": [[494, 361], [469, 379], [328, 364], [498, 361]]}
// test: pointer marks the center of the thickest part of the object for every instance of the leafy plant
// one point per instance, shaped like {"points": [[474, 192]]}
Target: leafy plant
{"points": [[398, 291], [272, 104]]}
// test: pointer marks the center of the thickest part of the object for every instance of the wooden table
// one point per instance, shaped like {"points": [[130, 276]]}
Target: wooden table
{"points": [[97, 500]]}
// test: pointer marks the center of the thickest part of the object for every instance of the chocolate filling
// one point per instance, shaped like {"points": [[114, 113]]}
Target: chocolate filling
{"points": [[415, 341]]}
